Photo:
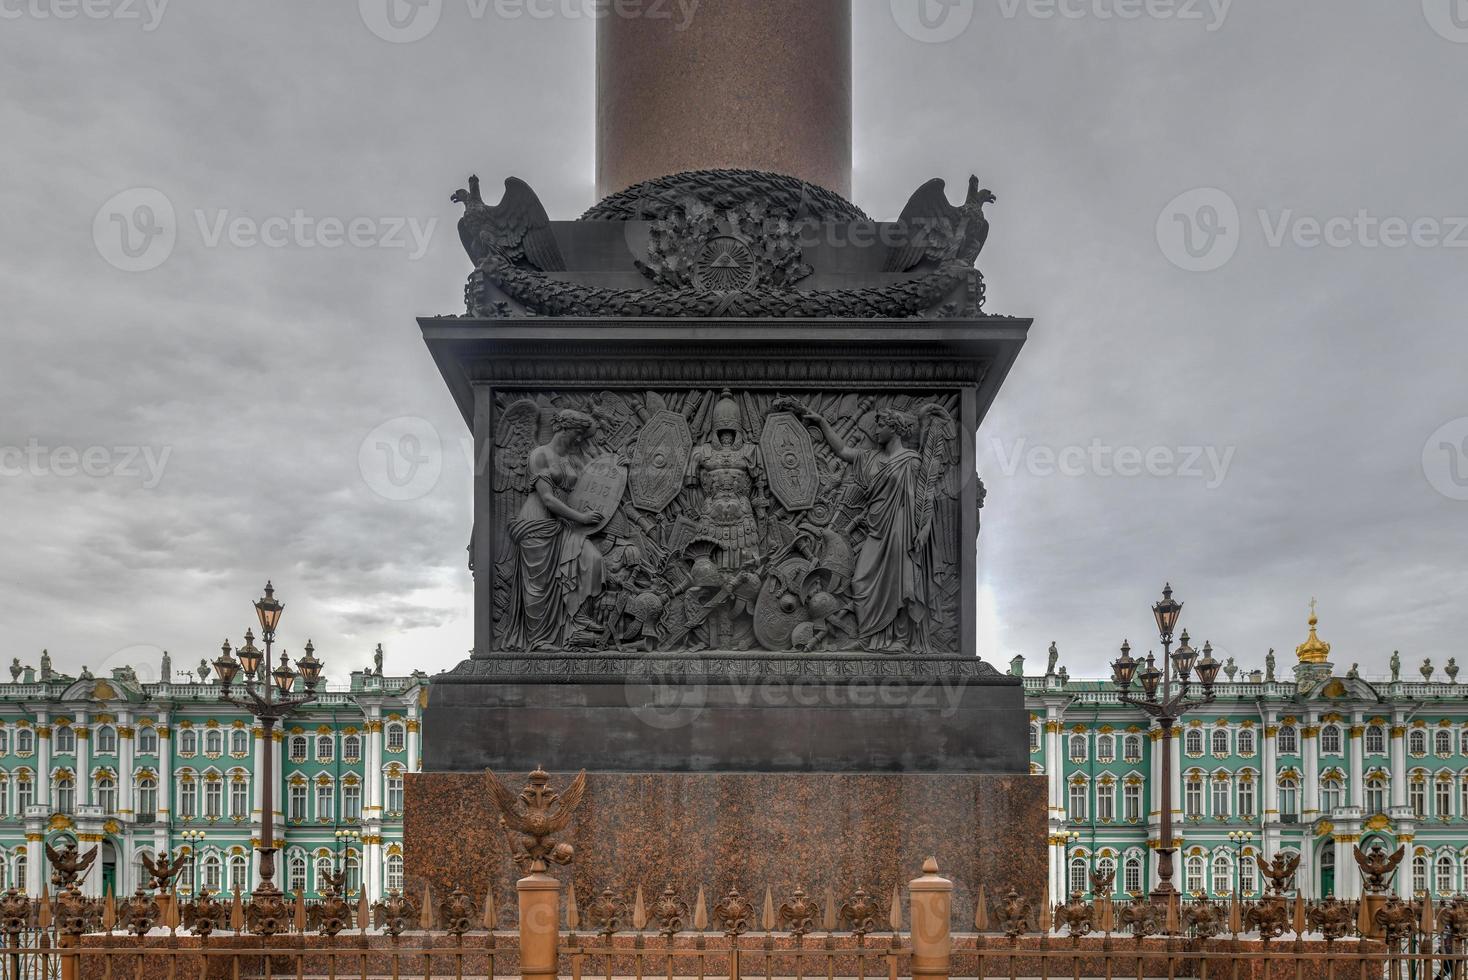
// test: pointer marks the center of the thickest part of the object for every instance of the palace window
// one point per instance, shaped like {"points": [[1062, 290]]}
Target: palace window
{"points": [[1376, 794], [397, 738], [352, 748], [1463, 795], [239, 742], [4, 740], [1246, 798], [1034, 738], [298, 748], [1195, 869], [1246, 875], [213, 799], [1463, 741], [1443, 798], [395, 795], [1442, 742], [188, 742], [65, 740], [1289, 798], [4, 794], [325, 802], [107, 794], [1330, 740], [1223, 875], [1105, 748], [1417, 742], [1288, 740], [25, 792], [1417, 795], [212, 870], [1132, 802], [25, 741], [297, 812], [1078, 748], [1443, 879], [1419, 873], [214, 742], [1330, 794], [1193, 741], [1193, 799], [239, 799], [1106, 868], [148, 741], [1132, 748], [1132, 872], [1220, 741], [65, 793], [395, 872], [297, 874], [147, 798], [325, 748], [1375, 740], [106, 740], [1078, 876], [354, 873], [185, 880], [1220, 799], [351, 802], [1106, 802], [1245, 743], [324, 871], [1077, 801], [238, 874]]}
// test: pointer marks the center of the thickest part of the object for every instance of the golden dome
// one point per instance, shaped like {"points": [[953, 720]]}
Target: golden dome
{"points": [[1313, 650]]}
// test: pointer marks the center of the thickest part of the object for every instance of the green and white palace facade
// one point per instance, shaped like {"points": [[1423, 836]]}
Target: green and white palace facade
{"points": [[1315, 764], [146, 768]]}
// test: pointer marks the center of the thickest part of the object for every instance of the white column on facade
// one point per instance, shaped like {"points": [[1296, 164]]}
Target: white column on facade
{"points": [[1347, 874], [277, 740], [125, 745], [257, 805], [165, 769], [1399, 762], [1177, 785], [83, 759], [1269, 778], [372, 773], [1310, 778], [412, 726], [1357, 775], [35, 859], [43, 759], [1154, 779], [372, 868]]}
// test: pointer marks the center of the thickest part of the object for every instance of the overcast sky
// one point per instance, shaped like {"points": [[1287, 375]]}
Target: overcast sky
{"points": [[1207, 395]]}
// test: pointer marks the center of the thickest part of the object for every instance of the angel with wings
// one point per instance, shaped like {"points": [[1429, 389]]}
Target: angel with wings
{"points": [[556, 568], [892, 574]]}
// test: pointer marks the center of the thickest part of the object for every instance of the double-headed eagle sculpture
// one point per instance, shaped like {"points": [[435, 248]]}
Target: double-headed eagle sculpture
{"points": [[1377, 867], [535, 816], [162, 870], [67, 866]]}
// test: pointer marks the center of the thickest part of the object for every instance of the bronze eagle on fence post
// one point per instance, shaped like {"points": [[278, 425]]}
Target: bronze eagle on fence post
{"points": [[532, 818], [67, 866]]}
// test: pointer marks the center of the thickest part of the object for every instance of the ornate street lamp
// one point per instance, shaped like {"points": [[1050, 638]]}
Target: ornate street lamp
{"points": [[1239, 838], [1072, 837], [268, 696], [1164, 696], [196, 840]]}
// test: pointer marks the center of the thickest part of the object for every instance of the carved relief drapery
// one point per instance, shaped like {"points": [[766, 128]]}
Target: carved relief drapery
{"points": [[697, 519]]}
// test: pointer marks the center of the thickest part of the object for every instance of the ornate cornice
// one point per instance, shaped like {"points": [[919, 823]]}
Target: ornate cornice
{"points": [[716, 667]]}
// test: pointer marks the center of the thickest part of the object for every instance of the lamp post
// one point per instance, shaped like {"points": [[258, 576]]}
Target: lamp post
{"points": [[344, 838], [269, 699], [196, 840], [1165, 697], [1239, 838], [1071, 837]]}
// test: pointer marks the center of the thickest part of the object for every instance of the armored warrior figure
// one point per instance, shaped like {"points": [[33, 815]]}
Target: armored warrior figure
{"points": [[726, 470]]}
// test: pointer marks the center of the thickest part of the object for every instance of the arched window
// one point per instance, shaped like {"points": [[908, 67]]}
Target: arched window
{"points": [[1106, 868], [188, 796], [1246, 794], [65, 740], [1132, 748], [4, 747], [1078, 748], [1419, 873], [1223, 875], [212, 870], [352, 802], [1245, 743], [239, 796], [1442, 742], [1443, 879], [1193, 741], [1105, 748], [1330, 740], [65, 791], [25, 741], [1247, 879], [1289, 799], [213, 798], [4, 794], [1220, 741], [107, 793], [1376, 787], [325, 748], [1193, 797], [395, 794], [1131, 795], [395, 872], [323, 872], [1078, 796], [397, 737], [20, 873], [1375, 740], [298, 748], [1330, 793], [1288, 740], [1443, 795], [148, 741], [147, 798], [239, 742], [325, 801], [25, 791], [214, 742], [239, 874], [106, 740], [188, 742], [352, 745], [1132, 872], [354, 873], [1196, 867], [1078, 880], [296, 873], [1417, 742], [1417, 793]]}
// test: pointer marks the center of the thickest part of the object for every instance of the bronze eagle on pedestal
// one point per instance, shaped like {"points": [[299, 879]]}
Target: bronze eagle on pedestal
{"points": [[162, 870], [534, 816], [67, 866], [932, 229], [517, 227]]}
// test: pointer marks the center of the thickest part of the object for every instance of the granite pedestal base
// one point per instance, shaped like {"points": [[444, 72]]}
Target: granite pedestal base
{"points": [[745, 830]]}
